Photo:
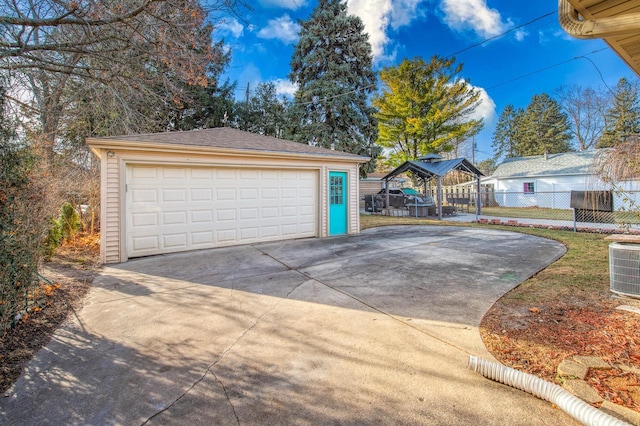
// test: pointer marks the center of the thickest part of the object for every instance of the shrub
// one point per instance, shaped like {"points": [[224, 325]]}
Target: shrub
{"points": [[22, 229], [68, 221]]}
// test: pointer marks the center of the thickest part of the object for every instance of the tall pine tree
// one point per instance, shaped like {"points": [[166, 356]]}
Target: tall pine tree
{"points": [[545, 128], [505, 137], [332, 66], [540, 127], [622, 120], [425, 107]]}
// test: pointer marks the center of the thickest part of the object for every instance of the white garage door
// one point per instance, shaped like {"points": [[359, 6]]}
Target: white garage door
{"points": [[172, 209]]}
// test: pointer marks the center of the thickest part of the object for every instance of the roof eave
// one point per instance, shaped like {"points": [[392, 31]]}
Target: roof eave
{"points": [[540, 175], [96, 144]]}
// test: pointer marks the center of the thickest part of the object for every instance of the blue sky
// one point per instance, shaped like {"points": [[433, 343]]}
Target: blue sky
{"points": [[505, 69]]}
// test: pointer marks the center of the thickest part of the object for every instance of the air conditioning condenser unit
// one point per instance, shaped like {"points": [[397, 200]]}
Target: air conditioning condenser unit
{"points": [[624, 269]]}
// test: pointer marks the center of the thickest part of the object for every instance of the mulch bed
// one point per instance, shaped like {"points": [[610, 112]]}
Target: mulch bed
{"points": [[535, 339], [67, 278]]}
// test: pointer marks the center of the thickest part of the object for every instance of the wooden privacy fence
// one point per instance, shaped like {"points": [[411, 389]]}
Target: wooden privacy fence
{"points": [[464, 196]]}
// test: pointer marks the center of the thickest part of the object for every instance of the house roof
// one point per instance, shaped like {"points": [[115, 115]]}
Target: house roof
{"points": [[566, 163], [220, 139], [615, 21], [434, 168]]}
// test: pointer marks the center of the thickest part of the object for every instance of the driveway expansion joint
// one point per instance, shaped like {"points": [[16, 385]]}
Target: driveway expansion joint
{"points": [[209, 369]]}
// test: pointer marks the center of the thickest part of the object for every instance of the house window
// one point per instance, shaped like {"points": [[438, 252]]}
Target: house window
{"points": [[529, 188]]}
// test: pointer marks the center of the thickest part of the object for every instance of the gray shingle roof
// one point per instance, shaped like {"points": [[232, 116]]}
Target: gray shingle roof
{"points": [[431, 169], [567, 163], [227, 138]]}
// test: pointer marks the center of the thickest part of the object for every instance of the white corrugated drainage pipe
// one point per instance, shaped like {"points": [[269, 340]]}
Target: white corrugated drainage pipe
{"points": [[570, 404]]}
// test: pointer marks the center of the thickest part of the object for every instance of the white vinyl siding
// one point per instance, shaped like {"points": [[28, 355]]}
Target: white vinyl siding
{"points": [[111, 211]]}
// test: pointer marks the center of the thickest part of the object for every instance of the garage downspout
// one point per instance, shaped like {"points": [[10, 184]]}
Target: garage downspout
{"points": [[628, 23], [570, 404]]}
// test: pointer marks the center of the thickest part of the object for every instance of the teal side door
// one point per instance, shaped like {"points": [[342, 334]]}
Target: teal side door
{"points": [[337, 203]]}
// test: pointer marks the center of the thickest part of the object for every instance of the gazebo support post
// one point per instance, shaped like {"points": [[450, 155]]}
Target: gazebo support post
{"points": [[386, 193], [424, 183], [478, 198], [440, 197]]}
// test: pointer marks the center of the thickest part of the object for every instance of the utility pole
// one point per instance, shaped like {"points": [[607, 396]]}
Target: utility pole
{"points": [[246, 96], [473, 150]]}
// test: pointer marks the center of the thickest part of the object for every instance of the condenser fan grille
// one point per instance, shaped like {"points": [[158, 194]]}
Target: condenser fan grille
{"points": [[624, 267]]}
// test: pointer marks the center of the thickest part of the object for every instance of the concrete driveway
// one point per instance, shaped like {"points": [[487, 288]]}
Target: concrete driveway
{"points": [[369, 329]]}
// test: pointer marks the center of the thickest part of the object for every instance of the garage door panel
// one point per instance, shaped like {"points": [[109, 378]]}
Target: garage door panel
{"points": [[201, 217], [144, 219], [181, 208], [174, 218], [175, 241], [225, 235], [226, 215], [174, 195], [204, 238], [201, 194], [144, 243], [226, 194], [249, 213], [144, 195]]}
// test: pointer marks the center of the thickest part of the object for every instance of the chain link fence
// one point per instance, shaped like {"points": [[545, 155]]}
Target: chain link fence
{"points": [[588, 211], [585, 210]]}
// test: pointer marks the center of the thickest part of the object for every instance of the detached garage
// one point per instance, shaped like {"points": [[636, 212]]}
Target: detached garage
{"points": [[179, 191]]}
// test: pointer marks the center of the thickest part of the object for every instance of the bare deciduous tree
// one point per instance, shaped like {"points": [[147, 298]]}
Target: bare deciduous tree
{"points": [[585, 108], [58, 55]]}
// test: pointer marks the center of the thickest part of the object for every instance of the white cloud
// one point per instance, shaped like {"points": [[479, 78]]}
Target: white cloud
{"points": [[285, 87], [487, 108], [379, 16], [475, 15], [285, 4], [521, 34], [375, 15], [231, 26], [405, 11], [282, 28]]}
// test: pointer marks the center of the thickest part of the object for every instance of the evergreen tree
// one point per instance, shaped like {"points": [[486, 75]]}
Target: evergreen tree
{"points": [[487, 166], [505, 137], [332, 66], [207, 105], [424, 108], [544, 128], [264, 113], [622, 120]]}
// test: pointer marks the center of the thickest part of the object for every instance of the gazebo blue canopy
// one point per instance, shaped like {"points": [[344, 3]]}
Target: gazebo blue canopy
{"points": [[433, 166]]}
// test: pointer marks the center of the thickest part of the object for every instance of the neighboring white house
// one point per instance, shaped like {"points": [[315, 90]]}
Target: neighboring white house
{"points": [[547, 180]]}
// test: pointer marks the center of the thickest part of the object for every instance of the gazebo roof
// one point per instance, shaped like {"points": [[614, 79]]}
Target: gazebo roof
{"points": [[433, 168]]}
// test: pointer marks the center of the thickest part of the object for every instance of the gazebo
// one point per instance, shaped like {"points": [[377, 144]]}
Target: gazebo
{"points": [[433, 166]]}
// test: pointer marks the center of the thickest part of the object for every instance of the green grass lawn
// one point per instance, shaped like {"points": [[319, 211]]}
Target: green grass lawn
{"points": [[529, 212], [552, 214]]}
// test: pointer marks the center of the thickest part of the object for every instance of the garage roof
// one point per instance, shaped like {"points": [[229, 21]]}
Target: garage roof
{"points": [[222, 140]]}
